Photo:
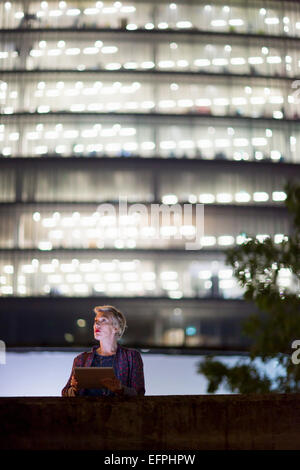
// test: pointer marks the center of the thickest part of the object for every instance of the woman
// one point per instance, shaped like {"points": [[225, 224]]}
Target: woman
{"points": [[109, 326]]}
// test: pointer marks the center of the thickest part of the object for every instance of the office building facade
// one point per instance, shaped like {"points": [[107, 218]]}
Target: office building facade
{"points": [[128, 129]]}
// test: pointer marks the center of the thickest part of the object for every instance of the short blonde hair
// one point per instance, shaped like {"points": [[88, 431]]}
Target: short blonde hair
{"points": [[118, 318]]}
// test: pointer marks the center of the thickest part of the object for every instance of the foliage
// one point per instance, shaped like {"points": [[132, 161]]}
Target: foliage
{"points": [[256, 265]]}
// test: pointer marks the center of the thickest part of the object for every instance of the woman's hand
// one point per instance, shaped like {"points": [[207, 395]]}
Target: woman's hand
{"points": [[74, 383], [114, 385]]}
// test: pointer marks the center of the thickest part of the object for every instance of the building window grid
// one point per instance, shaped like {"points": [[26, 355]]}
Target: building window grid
{"points": [[258, 142], [234, 17], [14, 278]]}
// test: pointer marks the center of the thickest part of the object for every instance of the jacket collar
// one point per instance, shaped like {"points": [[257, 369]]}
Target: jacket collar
{"points": [[92, 353]]}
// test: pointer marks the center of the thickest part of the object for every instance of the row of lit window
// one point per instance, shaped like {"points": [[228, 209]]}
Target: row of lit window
{"points": [[129, 283], [119, 8], [127, 270], [69, 272], [120, 289], [97, 219], [43, 47], [164, 145], [264, 97], [92, 150], [112, 221], [205, 103], [263, 94], [59, 131], [205, 55], [203, 62], [56, 284], [169, 64], [136, 224], [118, 131], [163, 64], [131, 148], [96, 232], [228, 198], [109, 277], [206, 242], [97, 132], [42, 89], [167, 103], [186, 106], [111, 150], [137, 140], [212, 49], [99, 6]]}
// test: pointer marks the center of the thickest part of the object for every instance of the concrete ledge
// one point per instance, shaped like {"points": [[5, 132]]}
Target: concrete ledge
{"points": [[194, 422]]}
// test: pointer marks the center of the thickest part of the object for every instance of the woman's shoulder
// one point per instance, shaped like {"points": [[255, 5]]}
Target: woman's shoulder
{"points": [[82, 357], [129, 351]]}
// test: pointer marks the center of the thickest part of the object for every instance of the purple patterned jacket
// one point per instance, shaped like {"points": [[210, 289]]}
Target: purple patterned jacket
{"points": [[128, 367]]}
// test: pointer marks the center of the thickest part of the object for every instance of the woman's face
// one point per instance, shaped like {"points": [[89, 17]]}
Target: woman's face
{"points": [[103, 327]]}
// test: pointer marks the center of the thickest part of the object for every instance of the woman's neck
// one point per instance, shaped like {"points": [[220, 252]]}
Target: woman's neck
{"points": [[107, 348]]}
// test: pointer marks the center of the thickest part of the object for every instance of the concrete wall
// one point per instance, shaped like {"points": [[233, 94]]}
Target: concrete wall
{"points": [[151, 423]]}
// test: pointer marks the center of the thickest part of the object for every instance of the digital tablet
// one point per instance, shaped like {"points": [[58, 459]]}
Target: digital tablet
{"points": [[91, 377]]}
